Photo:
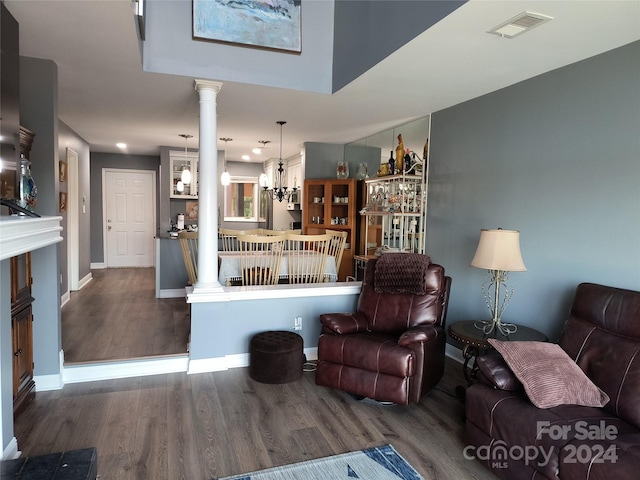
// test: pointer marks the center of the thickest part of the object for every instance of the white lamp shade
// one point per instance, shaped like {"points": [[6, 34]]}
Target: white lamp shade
{"points": [[263, 180], [180, 186], [225, 178], [499, 250], [186, 176]]}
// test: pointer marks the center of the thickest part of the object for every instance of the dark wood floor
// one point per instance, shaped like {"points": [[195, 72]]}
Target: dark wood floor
{"points": [[116, 316], [199, 427], [204, 426]]}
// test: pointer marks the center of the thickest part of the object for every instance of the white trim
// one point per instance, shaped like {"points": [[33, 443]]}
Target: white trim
{"points": [[172, 293], [45, 383], [11, 452], [64, 299], [205, 365], [84, 280], [97, 265], [238, 360], [454, 353], [270, 292], [20, 234], [88, 372], [73, 216]]}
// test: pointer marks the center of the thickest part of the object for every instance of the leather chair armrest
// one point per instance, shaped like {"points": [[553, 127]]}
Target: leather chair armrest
{"points": [[495, 373], [419, 334], [343, 323]]}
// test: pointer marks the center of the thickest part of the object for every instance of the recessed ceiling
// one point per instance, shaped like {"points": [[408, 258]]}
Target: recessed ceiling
{"points": [[106, 98]]}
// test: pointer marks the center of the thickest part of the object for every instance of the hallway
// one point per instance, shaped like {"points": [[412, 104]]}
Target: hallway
{"points": [[117, 317]]}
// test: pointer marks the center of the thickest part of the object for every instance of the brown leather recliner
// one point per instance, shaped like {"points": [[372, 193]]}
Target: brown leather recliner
{"points": [[393, 348], [567, 442]]}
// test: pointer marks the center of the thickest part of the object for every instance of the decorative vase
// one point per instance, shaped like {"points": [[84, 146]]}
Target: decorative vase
{"points": [[28, 189], [362, 171], [342, 170]]}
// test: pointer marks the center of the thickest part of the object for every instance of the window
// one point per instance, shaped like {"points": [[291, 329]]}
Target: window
{"points": [[242, 201]]}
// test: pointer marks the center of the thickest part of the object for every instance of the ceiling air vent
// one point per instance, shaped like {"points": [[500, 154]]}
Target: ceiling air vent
{"points": [[520, 24]]}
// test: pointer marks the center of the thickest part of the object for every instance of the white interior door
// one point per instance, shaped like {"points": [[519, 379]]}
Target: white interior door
{"points": [[129, 217]]}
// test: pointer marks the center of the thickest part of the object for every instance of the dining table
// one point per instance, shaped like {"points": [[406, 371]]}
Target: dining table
{"points": [[230, 273]]}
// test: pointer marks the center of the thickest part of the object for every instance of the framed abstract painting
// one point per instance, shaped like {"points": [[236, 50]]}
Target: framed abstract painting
{"points": [[271, 24]]}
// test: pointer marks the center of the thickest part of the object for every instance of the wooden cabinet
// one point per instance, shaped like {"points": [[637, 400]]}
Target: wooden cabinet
{"points": [[21, 332], [331, 204]]}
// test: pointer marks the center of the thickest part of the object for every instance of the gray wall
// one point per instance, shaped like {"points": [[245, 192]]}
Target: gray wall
{"points": [[114, 160], [178, 54], [367, 32], [556, 157], [39, 113], [321, 160], [225, 328]]}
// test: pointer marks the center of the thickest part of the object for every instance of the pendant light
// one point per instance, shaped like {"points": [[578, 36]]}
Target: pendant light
{"points": [[279, 191], [225, 178], [185, 176]]}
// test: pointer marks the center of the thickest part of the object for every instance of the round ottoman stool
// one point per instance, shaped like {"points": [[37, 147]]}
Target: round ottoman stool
{"points": [[275, 357]]}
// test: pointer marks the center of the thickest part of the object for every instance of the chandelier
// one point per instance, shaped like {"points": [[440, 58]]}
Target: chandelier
{"points": [[225, 178], [185, 176], [279, 191]]}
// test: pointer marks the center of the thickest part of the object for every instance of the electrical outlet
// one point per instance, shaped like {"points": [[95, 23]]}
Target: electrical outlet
{"points": [[297, 323]]}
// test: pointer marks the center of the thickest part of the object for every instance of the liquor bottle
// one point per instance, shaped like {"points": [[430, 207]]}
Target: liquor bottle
{"points": [[399, 154], [407, 161], [392, 164]]}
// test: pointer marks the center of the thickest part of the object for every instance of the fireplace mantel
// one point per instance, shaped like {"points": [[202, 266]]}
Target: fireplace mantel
{"points": [[19, 234]]}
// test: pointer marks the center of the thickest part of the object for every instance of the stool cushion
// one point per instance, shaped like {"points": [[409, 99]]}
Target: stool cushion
{"points": [[276, 357]]}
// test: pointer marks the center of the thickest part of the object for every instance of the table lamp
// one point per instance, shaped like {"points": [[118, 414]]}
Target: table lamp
{"points": [[499, 253]]}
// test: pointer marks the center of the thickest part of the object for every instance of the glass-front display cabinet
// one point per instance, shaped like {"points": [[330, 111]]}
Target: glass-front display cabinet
{"points": [[184, 174], [394, 209], [393, 213]]}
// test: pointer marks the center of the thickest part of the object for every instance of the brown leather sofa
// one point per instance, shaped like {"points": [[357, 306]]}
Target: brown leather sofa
{"points": [[516, 440], [392, 348]]}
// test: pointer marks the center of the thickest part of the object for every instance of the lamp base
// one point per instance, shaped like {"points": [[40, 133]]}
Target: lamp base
{"points": [[497, 325]]}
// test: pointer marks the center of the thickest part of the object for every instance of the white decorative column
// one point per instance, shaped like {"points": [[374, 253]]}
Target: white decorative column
{"points": [[208, 190]]}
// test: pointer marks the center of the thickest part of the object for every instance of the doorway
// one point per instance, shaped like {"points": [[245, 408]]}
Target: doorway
{"points": [[129, 217]]}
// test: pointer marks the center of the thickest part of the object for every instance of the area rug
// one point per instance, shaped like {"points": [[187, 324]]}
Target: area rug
{"points": [[379, 463]]}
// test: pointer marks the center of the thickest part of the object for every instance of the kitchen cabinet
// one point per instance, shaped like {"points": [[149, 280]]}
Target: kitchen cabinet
{"points": [[331, 204], [179, 162]]}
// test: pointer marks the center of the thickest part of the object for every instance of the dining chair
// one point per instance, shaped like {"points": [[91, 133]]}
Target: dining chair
{"points": [[337, 245], [269, 232], [189, 246], [307, 257], [260, 258], [228, 237]]}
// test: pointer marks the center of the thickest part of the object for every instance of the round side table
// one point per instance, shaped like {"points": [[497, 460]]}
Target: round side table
{"points": [[475, 340]]}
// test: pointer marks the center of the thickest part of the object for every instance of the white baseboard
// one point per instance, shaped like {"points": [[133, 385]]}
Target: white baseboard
{"points": [[11, 452], [45, 383], [64, 299], [83, 281], [88, 372], [205, 365], [237, 360], [454, 353], [97, 266], [173, 293]]}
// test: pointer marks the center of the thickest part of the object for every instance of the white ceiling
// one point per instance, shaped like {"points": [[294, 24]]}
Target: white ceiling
{"points": [[106, 98]]}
